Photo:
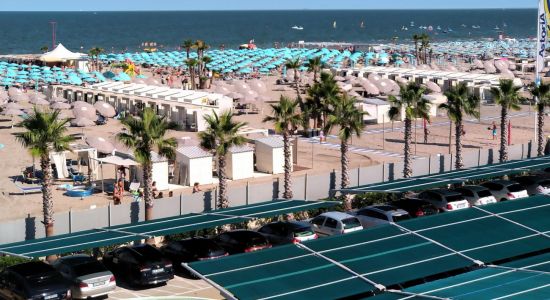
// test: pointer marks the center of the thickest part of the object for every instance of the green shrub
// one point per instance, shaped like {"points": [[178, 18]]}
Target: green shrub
{"points": [[6, 261]]}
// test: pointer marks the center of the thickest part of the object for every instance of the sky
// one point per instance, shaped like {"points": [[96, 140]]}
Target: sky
{"points": [[118, 5]]}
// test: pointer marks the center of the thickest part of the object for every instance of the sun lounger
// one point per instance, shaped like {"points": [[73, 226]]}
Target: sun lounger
{"points": [[28, 189]]}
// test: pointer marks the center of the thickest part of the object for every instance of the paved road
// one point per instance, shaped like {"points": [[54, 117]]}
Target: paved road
{"points": [[177, 287]]}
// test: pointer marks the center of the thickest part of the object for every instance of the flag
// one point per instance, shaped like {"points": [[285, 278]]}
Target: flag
{"points": [[542, 32]]}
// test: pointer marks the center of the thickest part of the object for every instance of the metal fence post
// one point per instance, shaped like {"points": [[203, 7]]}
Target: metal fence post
{"points": [[70, 220], [383, 172], [247, 183], [109, 215], [359, 176], [305, 187], [430, 165], [181, 204]]}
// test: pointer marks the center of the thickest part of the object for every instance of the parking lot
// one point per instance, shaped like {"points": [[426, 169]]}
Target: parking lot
{"points": [[178, 287]]}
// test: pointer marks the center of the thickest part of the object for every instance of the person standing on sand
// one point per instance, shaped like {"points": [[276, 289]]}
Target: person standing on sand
{"points": [[494, 130]]}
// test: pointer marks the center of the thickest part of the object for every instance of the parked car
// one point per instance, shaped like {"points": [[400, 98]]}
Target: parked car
{"points": [[193, 249], [477, 195], [241, 241], [506, 189], [379, 214], [139, 265], [89, 277], [335, 223], [444, 199], [33, 280], [535, 185], [415, 207], [280, 233]]}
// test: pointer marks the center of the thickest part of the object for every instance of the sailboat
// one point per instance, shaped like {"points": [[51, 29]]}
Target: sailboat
{"points": [[334, 24], [497, 28], [362, 24]]}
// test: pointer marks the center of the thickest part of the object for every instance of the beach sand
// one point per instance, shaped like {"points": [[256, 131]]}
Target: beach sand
{"points": [[312, 157]]}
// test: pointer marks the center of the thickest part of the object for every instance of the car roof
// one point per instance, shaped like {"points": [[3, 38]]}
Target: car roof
{"points": [[31, 268], [445, 192], [475, 188], [383, 207], [386, 208], [241, 233], [336, 215], [502, 182], [76, 259]]}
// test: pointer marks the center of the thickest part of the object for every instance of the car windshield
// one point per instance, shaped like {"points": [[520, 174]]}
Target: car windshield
{"points": [[401, 218], [545, 183], [149, 253], [255, 240], [89, 267], [454, 198], [515, 188], [351, 223], [484, 193], [38, 279], [302, 231]]}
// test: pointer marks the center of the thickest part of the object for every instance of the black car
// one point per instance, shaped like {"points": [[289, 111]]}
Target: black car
{"points": [[33, 280], [416, 207], [193, 249], [240, 241], [139, 265], [280, 233]]}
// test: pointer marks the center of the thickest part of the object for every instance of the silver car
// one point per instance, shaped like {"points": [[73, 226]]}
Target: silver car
{"points": [[88, 276], [379, 214], [335, 223]]}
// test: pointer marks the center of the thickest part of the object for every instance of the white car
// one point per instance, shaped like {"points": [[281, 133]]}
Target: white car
{"points": [[535, 185], [444, 200], [477, 195], [379, 214], [335, 223], [504, 190]]}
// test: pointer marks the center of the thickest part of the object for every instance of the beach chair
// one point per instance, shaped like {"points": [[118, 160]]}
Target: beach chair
{"points": [[28, 189], [78, 178]]}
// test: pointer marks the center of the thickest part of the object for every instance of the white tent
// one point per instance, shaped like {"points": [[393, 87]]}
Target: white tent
{"points": [[60, 54]]}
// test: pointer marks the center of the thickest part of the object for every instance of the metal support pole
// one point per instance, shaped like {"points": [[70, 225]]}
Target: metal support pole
{"points": [[305, 187], [247, 192], [70, 220], [109, 215], [181, 205]]}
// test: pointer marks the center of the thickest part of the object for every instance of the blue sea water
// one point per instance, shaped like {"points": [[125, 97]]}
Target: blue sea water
{"points": [[27, 32]]}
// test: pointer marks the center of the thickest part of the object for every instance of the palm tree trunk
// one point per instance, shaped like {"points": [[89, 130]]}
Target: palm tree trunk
{"points": [[345, 172], [148, 194], [459, 164], [503, 154], [297, 84], [47, 199], [223, 202], [407, 168], [540, 130], [287, 194], [426, 131]]}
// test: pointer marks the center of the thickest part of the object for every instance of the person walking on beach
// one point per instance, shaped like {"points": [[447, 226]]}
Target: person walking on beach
{"points": [[494, 130]]}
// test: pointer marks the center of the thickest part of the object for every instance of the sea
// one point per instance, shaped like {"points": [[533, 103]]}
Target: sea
{"points": [[27, 32]]}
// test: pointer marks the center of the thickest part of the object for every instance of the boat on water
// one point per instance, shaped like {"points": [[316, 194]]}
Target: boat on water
{"points": [[476, 26], [362, 25], [464, 25], [404, 28], [334, 24], [497, 28], [438, 27], [297, 27], [412, 24]]}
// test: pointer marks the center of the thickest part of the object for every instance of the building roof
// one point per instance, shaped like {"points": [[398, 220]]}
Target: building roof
{"points": [[194, 152], [375, 101], [241, 149], [271, 141]]}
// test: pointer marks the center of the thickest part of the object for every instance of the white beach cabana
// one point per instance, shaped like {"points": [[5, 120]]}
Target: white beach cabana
{"points": [[270, 156], [193, 164], [240, 162], [160, 172], [60, 54], [377, 110]]}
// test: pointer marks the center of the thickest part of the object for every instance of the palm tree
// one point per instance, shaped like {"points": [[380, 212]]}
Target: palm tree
{"points": [[542, 92], [146, 133], [44, 49], [204, 79], [460, 103], [45, 133], [221, 134], [507, 96], [349, 121], [94, 53], [188, 45], [295, 64], [315, 65], [410, 101], [319, 98], [192, 64], [286, 118], [425, 45], [416, 39]]}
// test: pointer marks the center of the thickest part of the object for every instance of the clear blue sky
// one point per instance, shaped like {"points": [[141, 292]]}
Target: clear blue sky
{"points": [[101, 5]]}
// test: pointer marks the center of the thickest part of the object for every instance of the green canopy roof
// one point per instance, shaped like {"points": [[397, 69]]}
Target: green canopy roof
{"points": [[101, 237], [452, 177], [359, 263]]}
